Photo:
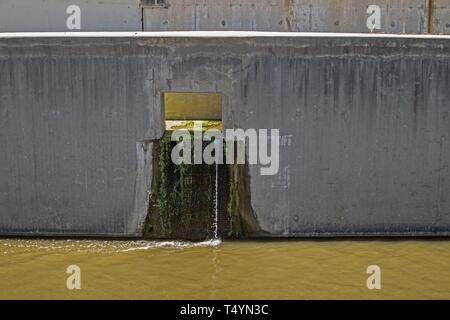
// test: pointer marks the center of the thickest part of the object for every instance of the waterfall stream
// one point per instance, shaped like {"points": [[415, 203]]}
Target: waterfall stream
{"points": [[216, 194], [216, 205]]}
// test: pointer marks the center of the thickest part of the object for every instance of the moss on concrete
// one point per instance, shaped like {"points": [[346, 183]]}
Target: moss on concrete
{"points": [[180, 201]]}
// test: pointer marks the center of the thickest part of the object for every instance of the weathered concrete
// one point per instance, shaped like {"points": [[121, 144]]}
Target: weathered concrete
{"points": [[72, 119], [260, 15], [396, 16], [365, 125], [441, 17], [51, 15]]}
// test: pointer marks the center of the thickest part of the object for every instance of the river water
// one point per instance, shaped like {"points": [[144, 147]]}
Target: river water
{"points": [[229, 270]]}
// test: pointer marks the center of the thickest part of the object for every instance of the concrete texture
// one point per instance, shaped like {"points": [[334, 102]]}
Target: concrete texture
{"points": [[441, 17], [260, 15], [364, 121], [396, 16], [71, 125], [51, 15]]}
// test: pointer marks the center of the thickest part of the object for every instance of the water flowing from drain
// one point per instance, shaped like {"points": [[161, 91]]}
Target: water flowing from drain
{"points": [[216, 195], [216, 205]]}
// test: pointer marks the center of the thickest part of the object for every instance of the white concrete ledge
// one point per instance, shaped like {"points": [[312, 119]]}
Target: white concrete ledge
{"points": [[214, 34]]}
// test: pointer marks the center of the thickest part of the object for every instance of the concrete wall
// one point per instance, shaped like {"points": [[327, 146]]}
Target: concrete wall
{"points": [[367, 138], [51, 15], [261, 15], [71, 122], [365, 125], [441, 17], [396, 16]]}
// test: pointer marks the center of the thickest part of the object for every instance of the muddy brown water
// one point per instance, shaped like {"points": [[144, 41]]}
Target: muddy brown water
{"points": [[36, 269]]}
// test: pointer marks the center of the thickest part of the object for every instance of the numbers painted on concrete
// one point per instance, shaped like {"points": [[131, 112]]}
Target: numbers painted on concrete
{"points": [[100, 179]]}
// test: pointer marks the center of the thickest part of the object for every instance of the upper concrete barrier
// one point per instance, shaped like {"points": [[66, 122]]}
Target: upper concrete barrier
{"points": [[356, 16], [440, 16], [69, 15], [383, 16]]}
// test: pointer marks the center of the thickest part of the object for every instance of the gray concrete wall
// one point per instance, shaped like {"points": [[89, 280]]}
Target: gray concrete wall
{"points": [[365, 123], [72, 116], [441, 17], [212, 15], [52, 15], [366, 137], [396, 16]]}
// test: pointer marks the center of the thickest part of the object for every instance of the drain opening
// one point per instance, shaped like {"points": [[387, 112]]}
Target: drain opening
{"points": [[192, 200], [187, 199]]}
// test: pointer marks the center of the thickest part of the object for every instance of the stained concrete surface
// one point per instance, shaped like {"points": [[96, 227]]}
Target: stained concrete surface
{"points": [[364, 124], [396, 16], [52, 15]]}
